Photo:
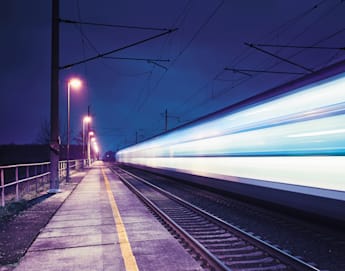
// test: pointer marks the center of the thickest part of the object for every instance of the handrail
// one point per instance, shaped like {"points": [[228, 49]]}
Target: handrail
{"points": [[25, 165], [26, 179], [41, 179]]}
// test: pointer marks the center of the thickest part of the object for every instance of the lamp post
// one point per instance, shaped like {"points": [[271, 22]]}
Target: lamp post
{"points": [[93, 142], [86, 119], [96, 149], [76, 84], [54, 144], [90, 134]]}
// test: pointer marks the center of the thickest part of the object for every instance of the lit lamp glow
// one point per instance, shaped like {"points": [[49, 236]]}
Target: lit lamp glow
{"points": [[86, 120], [89, 138], [76, 84], [95, 148]]}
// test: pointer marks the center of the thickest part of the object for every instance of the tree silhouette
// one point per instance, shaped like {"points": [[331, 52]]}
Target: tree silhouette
{"points": [[43, 135]]}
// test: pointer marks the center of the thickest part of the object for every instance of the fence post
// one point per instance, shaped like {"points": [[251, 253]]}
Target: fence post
{"points": [[2, 188], [28, 184], [36, 180], [17, 185], [60, 171]]}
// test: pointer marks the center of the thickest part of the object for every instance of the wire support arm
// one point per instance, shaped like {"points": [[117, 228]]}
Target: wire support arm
{"points": [[157, 64], [113, 25], [299, 46], [278, 57], [246, 71], [137, 59], [119, 49]]}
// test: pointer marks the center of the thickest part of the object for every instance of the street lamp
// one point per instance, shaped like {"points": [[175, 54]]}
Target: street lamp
{"points": [[86, 119], [96, 149], [76, 84], [93, 142], [91, 134]]}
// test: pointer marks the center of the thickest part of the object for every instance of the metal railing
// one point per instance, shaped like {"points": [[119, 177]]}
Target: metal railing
{"points": [[26, 181]]}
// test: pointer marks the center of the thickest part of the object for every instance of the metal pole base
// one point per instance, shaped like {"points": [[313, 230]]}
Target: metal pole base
{"points": [[54, 191]]}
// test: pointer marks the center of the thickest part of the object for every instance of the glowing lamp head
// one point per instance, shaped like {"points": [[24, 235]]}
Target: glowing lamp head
{"points": [[95, 146], [91, 133], [75, 83], [87, 119]]}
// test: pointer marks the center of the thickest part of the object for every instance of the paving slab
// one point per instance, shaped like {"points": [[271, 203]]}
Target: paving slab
{"points": [[17, 234], [87, 234], [79, 258]]}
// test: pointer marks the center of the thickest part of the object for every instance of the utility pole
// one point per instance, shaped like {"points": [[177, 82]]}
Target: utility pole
{"points": [[166, 120], [54, 101], [166, 116], [136, 137], [89, 115]]}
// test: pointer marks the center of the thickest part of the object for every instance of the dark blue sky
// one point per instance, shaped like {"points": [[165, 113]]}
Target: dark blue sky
{"points": [[128, 96]]}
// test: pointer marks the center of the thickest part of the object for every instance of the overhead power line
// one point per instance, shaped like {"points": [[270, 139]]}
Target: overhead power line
{"points": [[200, 29], [279, 57], [244, 55], [158, 65], [117, 50], [148, 60], [114, 25], [138, 59], [299, 46], [245, 71]]}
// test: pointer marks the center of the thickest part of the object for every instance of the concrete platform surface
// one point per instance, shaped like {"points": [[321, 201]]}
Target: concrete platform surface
{"points": [[103, 226]]}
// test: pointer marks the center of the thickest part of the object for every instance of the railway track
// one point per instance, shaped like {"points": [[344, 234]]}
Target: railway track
{"points": [[218, 244]]}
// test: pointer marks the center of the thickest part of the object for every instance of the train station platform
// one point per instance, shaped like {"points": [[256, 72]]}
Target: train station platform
{"points": [[103, 226]]}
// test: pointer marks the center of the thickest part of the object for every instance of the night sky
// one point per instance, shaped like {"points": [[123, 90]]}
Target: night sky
{"points": [[129, 96]]}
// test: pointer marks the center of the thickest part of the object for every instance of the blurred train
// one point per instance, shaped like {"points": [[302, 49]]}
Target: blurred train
{"points": [[285, 146]]}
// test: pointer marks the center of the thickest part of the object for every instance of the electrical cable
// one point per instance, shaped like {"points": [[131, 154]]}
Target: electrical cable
{"points": [[181, 17], [203, 25], [195, 35], [238, 59], [113, 25]]}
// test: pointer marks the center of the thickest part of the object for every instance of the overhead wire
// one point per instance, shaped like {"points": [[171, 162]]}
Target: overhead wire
{"points": [[195, 35], [188, 44], [238, 59], [113, 25], [323, 15], [283, 28], [86, 41], [178, 23], [280, 29], [82, 37], [247, 52]]}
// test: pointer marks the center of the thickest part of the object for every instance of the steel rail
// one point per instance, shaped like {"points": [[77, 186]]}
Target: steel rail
{"points": [[211, 260], [273, 251]]}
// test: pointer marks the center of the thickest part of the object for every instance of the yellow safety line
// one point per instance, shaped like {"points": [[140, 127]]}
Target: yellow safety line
{"points": [[126, 250]]}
